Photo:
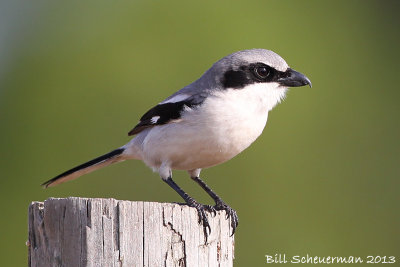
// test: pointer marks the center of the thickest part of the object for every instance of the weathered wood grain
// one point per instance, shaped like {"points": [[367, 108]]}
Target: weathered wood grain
{"points": [[108, 232]]}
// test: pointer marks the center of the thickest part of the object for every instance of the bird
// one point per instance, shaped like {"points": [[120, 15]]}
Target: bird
{"points": [[204, 124]]}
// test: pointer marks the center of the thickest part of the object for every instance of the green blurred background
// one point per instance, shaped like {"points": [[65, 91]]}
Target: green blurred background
{"points": [[322, 179]]}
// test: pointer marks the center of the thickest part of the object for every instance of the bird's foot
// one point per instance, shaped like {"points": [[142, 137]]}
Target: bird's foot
{"points": [[201, 211], [210, 209], [230, 213]]}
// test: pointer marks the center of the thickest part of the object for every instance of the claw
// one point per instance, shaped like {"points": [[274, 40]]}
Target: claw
{"points": [[229, 213], [202, 216], [234, 224], [211, 210]]}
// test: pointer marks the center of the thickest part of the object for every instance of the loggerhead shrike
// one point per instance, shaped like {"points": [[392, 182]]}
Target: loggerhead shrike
{"points": [[205, 123]]}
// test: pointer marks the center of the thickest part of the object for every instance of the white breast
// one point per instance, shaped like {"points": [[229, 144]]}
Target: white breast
{"points": [[223, 126], [235, 118]]}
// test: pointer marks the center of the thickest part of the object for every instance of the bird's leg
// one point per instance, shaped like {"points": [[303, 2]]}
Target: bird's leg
{"points": [[219, 204], [191, 203]]}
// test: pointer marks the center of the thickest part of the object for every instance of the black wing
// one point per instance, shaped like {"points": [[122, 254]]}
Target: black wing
{"points": [[165, 113]]}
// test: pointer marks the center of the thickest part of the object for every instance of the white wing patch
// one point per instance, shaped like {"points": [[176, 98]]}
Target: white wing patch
{"points": [[177, 98], [155, 119]]}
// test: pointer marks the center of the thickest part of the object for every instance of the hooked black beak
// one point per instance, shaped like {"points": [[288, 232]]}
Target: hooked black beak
{"points": [[292, 78]]}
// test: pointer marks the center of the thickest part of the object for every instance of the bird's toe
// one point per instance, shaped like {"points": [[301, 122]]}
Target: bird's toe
{"points": [[230, 213], [201, 212]]}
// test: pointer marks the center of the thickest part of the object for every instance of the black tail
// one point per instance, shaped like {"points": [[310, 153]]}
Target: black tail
{"points": [[94, 164]]}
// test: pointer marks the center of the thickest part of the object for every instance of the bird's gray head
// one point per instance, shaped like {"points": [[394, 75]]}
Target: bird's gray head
{"points": [[247, 67]]}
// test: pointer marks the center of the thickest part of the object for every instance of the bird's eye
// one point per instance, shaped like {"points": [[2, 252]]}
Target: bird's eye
{"points": [[262, 72]]}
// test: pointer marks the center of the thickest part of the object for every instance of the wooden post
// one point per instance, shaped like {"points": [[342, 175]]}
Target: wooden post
{"points": [[108, 232]]}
